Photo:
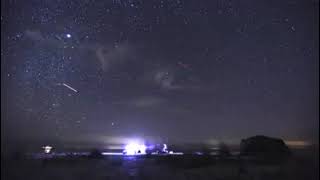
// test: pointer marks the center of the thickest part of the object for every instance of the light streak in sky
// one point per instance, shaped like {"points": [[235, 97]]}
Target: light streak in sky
{"points": [[69, 87]]}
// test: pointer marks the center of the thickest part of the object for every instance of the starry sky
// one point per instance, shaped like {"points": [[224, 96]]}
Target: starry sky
{"points": [[189, 70]]}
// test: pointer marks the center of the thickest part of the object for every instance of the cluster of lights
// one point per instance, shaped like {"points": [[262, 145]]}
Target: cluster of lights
{"points": [[134, 149]]}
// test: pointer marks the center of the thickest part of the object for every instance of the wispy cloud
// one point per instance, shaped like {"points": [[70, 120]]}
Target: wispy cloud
{"points": [[166, 79], [112, 55], [143, 102], [34, 35], [107, 54]]}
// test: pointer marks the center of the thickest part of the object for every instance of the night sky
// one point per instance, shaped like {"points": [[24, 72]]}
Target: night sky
{"points": [[188, 70]]}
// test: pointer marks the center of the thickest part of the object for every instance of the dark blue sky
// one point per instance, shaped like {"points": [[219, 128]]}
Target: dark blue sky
{"points": [[186, 70]]}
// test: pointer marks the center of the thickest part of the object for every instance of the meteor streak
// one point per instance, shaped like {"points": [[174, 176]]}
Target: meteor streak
{"points": [[67, 86]]}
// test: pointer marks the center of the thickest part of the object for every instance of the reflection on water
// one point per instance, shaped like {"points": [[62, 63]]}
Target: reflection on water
{"points": [[130, 165]]}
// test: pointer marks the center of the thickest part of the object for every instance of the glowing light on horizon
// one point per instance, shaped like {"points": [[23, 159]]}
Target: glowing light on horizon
{"points": [[47, 149], [135, 148], [175, 153], [297, 143], [111, 153]]}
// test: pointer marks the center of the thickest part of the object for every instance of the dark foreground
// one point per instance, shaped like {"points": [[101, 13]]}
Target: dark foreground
{"points": [[158, 168]]}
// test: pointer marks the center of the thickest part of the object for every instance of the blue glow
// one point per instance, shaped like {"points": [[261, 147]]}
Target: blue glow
{"points": [[165, 148], [134, 149]]}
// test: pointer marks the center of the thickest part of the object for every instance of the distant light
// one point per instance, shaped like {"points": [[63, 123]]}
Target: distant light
{"points": [[47, 149], [175, 153], [111, 153], [297, 143], [68, 35], [135, 148]]}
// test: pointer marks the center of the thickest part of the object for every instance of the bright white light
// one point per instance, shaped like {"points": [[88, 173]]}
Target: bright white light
{"points": [[68, 35], [47, 149], [175, 153], [165, 148], [69, 87], [134, 148]]}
